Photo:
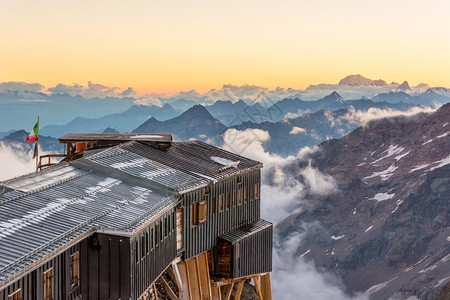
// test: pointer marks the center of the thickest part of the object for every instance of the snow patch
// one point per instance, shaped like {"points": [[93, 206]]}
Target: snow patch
{"points": [[369, 228], [442, 135], [429, 141], [391, 150], [385, 175], [401, 155], [419, 167], [442, 281], [337, 237], [305, 253], [382, 197], [441, 162], [428, 269]]}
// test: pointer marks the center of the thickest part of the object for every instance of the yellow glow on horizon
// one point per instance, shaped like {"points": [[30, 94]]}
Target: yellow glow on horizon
{"points": [[167, 46]]}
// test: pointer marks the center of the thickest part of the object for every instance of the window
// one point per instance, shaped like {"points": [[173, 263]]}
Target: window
{"points": [[48, 284], [251, 193], [146, 242], [194, 213], [166, 227], [142, 246], [207, 190], [74, 267], [234, 198], [156, 234], [245, 194], [15, 296], [256, 191], [202, 209], [199, 210], [136, 253], [240, 196], [239, 179], [161, 230], [228, 200], [151, 239], [221, 202]]}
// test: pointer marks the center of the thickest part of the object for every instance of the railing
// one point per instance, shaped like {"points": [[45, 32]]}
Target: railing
{"points": [[49, 160]]}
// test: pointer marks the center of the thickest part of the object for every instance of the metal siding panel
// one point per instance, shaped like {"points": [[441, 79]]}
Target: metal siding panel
{"points": [[124, 253]]}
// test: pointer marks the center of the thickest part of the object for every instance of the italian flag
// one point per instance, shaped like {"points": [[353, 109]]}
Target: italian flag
{"points": [[33, 136]]}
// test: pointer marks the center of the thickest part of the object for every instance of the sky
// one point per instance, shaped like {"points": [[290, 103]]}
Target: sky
{"points": [[167, 46]]}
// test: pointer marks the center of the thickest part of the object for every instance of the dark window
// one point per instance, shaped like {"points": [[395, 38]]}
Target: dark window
{"points": [[240, 196], [194, 213], [207, 190], [151, 238], [214, 205], [166, 227], [228, 200], [233, 198], [15, 296], [245, 194], [221, 202], [142, 246], [256, 190], [161, 230], [251, 193], [74, 267], [146, 242], [136, 253], [173, 221], [48, 284], [156, 234], [239, 179]]}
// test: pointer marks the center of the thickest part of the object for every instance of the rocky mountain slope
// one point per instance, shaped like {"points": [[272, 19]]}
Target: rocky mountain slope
{"points": [[16, 140], [386, 229], [196, 122]]}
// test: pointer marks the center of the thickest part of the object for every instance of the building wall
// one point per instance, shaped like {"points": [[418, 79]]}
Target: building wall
{"points": [[202, 237], [105, 267], [103, 272], [146, 266]]}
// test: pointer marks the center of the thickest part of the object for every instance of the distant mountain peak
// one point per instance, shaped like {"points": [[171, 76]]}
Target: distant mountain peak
{"points": [[404, 86], [357, 80], [333, 97]]}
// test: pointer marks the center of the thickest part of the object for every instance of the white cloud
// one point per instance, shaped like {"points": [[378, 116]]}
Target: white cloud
{"points": [[148, 100], [361, 117], [15, 162], [318, 183], [92, 90], [20, 86], [297, 130], [249, 143]]}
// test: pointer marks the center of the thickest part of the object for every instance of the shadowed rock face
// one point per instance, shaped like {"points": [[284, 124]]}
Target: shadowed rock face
{"points": [[391, 212]]}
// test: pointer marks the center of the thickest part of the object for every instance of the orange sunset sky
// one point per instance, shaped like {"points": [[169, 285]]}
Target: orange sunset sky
{"points": [[164, 46]]}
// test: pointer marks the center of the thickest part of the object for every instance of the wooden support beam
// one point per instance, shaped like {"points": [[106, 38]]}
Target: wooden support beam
{"points": [[229, 281], [155, 291], [203, 275], [194, 288], [229, 291], [239, 289], [181, 267], [169, 290], [258, 289], [266, 287], [216, 295]]}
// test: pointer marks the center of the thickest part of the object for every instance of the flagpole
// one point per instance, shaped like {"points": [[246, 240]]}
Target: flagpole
{"points": [[37, 148]]}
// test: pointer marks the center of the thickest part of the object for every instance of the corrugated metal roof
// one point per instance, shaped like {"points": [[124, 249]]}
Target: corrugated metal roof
{"points": [[118, 189], [245, 231], [195, 158]]}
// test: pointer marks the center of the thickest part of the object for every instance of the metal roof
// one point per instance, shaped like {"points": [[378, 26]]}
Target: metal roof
{"points": [[245, 231], [196, 158], [116, 189]]}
